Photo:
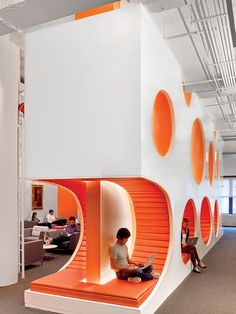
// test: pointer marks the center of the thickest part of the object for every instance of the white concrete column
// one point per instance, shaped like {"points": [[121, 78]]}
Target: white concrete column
{"points": [[9, 78]]}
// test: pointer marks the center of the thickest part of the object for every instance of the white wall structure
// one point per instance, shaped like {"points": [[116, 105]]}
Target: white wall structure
{"points": [[50, 200], [96, 120], [9, 80], [54, 120]]}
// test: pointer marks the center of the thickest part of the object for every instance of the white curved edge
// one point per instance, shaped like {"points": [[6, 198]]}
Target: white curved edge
{"points": [[66, 305], [81, 218]]}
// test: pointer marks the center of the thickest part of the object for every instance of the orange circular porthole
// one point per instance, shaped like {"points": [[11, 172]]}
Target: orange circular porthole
{"points": [[211, 163], [205, 220], [217, 165], [187, 96], [198, 151], [163, 123], [190, 214], [216, 218]]}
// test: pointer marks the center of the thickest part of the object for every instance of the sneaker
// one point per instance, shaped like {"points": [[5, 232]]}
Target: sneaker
{"points": [[134, 279], [156, 275]]}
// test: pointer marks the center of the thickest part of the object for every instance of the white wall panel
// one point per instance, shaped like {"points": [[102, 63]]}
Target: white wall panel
{"points": [[9, 78], [83, 98]]}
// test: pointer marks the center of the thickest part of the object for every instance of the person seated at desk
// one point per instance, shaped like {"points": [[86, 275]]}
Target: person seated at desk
{"points": [[70, 229], [125, 268], [190, 249], [34, 217], [51, 219]]}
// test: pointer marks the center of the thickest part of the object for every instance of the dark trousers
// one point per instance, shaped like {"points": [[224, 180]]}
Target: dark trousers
{"points": [[192, 251], [144, 274]]}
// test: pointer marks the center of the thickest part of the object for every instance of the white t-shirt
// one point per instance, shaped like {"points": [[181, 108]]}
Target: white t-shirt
{"points": [[184, 238], [50, 218], [119, 253]]}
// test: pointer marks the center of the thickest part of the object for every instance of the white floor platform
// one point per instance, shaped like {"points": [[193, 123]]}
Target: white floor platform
{"points": [[60, 304]]}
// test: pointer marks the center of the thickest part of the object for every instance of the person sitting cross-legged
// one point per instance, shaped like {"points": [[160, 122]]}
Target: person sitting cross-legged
{"points": [[124, 267]]}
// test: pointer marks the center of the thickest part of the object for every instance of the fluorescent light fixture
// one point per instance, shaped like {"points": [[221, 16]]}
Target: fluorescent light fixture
{"points": [[231, 21]]}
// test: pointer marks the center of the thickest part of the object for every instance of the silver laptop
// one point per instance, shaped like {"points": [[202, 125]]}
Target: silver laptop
{"points": [[149, 260], [192, 240]]}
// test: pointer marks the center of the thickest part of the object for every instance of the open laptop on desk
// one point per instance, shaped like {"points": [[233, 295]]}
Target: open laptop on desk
{"points": [[192, 241]]}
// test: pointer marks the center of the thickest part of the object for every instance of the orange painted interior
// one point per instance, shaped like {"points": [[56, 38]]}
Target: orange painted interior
{"points": [[205, 220], [93, 267], [190, 213], [217, 165], [67, 205], [211, 163], [94, 11], [163, 124], [187, 96], [151, 206], [216, 218], [198, 151]]}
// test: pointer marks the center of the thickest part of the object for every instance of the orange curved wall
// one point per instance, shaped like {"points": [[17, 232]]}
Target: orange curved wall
{"points": [[198, 151], [163, 124], [216, 218], [67, 205], [205, 220], [190, 213], [211, 163], [187, 96]]}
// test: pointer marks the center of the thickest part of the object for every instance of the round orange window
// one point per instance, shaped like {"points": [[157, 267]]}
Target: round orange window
{"points": [[198, 151], [163, 123]]}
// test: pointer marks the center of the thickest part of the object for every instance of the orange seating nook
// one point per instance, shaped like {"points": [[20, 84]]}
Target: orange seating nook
{"points": [[190, 213], [151, 208]]}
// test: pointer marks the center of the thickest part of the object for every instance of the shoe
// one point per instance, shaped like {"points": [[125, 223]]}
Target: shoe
{"points": [[204, 266], [196, 270], [134, 279], [156, 275]]}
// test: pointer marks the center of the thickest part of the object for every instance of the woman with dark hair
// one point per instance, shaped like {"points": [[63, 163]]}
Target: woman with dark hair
{"points": [[34, 217], [125, 268], [190, 249]]}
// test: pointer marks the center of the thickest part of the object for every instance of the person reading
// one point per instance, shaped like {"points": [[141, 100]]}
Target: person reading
{"points": [[190, 249], [51, 219], [124, 267], [34, 217], [69, 230]]}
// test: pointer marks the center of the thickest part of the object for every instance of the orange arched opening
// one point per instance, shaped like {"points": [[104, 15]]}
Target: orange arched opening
{"points": [[190, 213], [211, 163], [216, 218], [187, 96], [163, 124], [205, 220], [198, 151], [152, 212]]}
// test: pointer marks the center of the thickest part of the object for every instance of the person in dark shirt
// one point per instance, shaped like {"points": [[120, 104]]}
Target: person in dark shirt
{"points": [[34, 217], [70, 229], [72, 226]]}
